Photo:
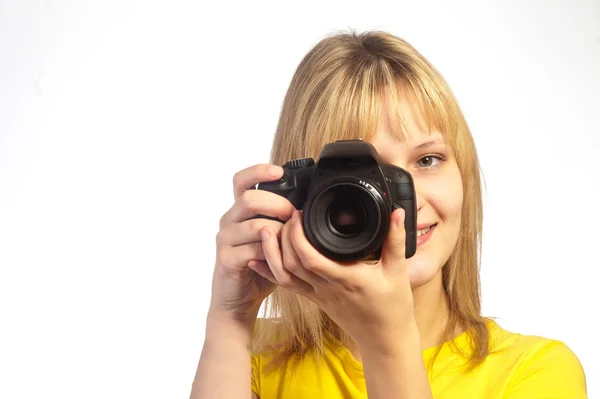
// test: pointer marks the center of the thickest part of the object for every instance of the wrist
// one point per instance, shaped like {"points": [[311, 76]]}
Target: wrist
{"points": [[228, 326], [398, 370]]}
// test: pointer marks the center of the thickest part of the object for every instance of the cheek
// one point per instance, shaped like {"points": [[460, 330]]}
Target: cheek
{"points": [[446, 196]]}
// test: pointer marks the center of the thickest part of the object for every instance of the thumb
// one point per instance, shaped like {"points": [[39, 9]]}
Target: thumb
{"points": [[394, 247]]}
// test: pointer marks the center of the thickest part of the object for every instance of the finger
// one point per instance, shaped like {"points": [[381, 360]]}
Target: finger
{"points": [[262, 268], [258, 202], [292, 263], [394, 247], [239, 256], [248, 178], [274, 260], [246, 231], [312, 259]]}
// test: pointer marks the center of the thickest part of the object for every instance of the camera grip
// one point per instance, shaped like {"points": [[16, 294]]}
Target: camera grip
{"points": [[284, 187], [410, 225]]}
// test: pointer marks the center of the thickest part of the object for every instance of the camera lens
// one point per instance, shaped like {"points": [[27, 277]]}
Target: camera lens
{"points": [[346, 218]]}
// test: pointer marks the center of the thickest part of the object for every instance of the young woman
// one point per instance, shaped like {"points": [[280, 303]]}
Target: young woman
{"points": [[397, 328]]}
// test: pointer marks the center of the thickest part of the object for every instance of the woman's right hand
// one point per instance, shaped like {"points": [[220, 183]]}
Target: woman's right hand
{"points": [[237, 290]]}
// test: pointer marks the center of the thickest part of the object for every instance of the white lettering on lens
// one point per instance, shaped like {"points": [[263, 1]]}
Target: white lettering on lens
{"points": [[368, 186]]}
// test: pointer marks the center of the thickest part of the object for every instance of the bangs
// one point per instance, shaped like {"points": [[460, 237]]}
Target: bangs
{"points": [[411, 99], [351, 107]]}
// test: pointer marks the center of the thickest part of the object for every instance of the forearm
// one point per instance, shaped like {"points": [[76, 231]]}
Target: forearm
{"points": [[224, 370], [399, 374]]}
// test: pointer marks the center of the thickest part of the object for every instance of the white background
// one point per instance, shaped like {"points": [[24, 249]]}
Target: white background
{"points": [[123, 122]]}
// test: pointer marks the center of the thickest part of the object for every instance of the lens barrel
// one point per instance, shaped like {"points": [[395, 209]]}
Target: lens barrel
{"points": [[346, 218]]}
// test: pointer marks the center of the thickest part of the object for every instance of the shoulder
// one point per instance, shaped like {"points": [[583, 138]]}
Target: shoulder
{"points": [[538, 365], [530, 349]]}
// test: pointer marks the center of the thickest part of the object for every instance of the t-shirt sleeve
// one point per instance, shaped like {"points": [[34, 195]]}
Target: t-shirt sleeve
{"points": [[256, 374], [550, 371]]}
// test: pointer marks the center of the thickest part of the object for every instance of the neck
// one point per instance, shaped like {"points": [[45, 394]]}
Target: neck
{"points": [[431, 311]]}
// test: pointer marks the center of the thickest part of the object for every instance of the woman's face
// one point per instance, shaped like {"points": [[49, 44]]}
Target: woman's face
{"points": [[439, 191]]}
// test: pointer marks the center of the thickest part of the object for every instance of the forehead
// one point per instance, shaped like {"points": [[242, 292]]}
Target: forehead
{"points": [[404, 123]]}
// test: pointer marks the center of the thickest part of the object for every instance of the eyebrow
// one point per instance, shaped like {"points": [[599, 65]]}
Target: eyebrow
{"points": [[429, 144]]}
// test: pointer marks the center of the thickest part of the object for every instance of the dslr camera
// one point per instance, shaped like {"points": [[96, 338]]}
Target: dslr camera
{"points": [[347, 198]]}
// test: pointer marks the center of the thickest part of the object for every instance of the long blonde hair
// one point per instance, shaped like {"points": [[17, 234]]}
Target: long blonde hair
{"points": [[337, 93]]}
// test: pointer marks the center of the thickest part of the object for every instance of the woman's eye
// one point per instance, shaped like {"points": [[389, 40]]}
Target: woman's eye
{"points": [[430, 161]]}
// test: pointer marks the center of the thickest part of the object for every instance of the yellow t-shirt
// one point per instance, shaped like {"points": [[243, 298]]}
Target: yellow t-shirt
{"points": [[518, 367]]}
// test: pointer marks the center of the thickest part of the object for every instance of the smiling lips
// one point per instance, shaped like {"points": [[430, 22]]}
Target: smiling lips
{"points": [[424, 234]]}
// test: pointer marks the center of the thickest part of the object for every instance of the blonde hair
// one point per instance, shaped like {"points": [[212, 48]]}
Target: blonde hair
{"points": [[337, 93]]}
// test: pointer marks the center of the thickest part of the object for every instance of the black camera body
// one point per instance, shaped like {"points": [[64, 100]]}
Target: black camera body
{"points": [[347, 198]]}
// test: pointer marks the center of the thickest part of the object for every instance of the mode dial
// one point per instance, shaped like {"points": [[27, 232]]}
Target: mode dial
{"points": [[299, 163]]}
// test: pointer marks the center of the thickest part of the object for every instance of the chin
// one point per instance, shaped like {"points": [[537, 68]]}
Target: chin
{"points": [[421, 270]]}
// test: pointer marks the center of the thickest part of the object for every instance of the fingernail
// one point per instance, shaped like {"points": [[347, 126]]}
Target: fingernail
{"points": [[400, 220], [274, 170], [264, 235]]}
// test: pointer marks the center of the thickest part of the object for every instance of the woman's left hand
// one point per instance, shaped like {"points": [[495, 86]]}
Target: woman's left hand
{"points": [[372, 303]]}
